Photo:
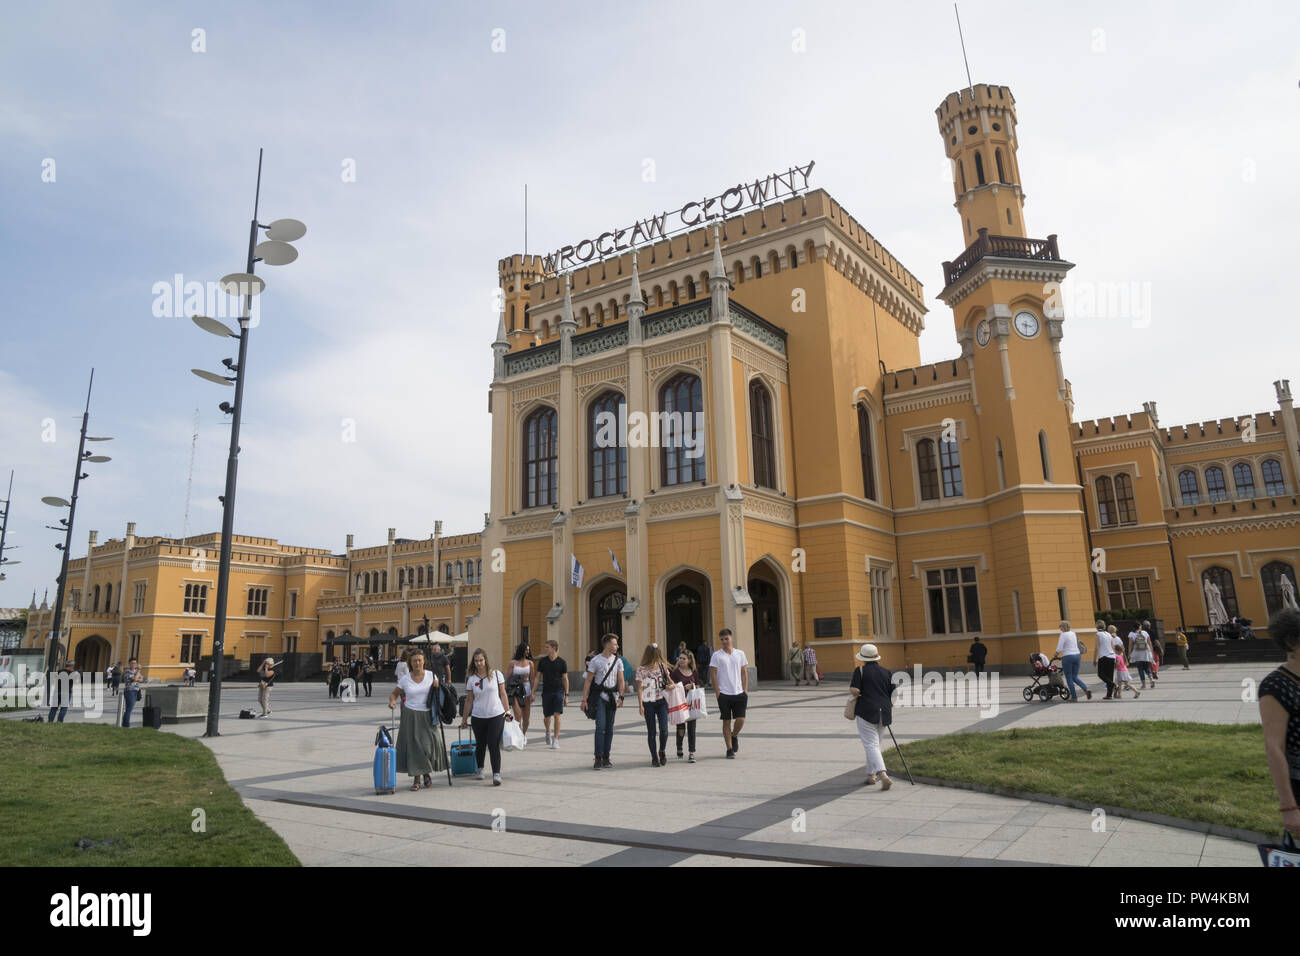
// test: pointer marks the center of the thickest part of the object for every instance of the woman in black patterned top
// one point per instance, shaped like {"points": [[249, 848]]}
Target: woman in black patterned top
{"points": [[1279, 713]]}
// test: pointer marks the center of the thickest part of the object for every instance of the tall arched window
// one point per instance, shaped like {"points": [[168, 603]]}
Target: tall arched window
{"points": [[1272, 472], [950, 466], [1221, 578], [927, 470], [681, 430], [447, 580], [94, 603], [1188, 487], [460, 570], [383, 581], [794, 258], [419, 576], [1280, 588], [608, 449], [865, 452], [401, 578], [690, 287], [469, 572], [979, 169], [1125, 507], [428, 576], [961, 171], [541, 484], [361, 584], [762, 435], [511, 327], [1044, 457], [1214, 484], [1243, 477], [1105, 501], [108, 598], [478, 569], [997, 155]]}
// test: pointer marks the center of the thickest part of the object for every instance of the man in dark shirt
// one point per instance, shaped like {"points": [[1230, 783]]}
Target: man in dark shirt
{"points": [[555, 691], [439, 665], [703, 654]]}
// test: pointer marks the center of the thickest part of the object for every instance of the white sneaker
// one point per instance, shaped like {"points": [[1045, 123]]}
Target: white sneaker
{"points": [[478, 775], [496, 780], [555, 745]]}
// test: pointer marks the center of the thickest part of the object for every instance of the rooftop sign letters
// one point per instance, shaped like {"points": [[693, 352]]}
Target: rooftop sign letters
{"points": [[740, 196]]}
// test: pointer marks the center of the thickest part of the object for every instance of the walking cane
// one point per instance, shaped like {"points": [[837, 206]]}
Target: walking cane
{"points": [[900, 754], [443, 734]]}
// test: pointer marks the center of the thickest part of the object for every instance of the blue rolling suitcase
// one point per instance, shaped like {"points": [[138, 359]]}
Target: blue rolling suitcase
{"points": [[385, 769], [463, 760]]}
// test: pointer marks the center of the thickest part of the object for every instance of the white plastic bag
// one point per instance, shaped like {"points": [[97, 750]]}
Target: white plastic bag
{"points": [[512, 738], [695, 708]]}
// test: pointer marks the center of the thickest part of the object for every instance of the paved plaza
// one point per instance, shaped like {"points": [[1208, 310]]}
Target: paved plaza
{"points": [[793, 796]]}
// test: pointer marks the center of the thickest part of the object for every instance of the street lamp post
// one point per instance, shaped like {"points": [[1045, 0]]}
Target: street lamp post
{"points": [[83, 456], [275, 251], [4, 528]]}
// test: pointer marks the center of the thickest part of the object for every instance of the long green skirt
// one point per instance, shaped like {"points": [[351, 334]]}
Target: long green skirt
{"points": [[419, 748]]}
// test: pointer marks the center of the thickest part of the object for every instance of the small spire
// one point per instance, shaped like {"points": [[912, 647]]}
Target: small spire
{"points": [[501, 326], [45, 599], [636, 281], [32, 606], [566, 318], [719, 269]]}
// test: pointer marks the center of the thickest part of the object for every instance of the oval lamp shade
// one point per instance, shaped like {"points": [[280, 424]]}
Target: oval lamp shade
{"points": [[212, 376], [99, 458], [56, 502], [286, 230], [275, 253], [241, 283], [213, 326], [102, 438]]}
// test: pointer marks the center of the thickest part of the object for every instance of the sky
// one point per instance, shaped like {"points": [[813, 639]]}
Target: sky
{"points": [[1159, 141]]}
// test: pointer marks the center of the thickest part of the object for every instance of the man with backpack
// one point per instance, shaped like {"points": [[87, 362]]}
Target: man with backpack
{"points": [[602, 695]]}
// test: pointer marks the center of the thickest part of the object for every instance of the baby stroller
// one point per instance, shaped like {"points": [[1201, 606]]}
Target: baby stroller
{"points": [[1048, 681]]}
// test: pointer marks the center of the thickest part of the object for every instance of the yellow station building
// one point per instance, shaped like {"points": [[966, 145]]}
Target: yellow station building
{"points": [[811, 481]]}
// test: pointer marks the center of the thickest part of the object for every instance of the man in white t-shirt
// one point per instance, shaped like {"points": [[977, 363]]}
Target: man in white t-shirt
{"points": [[605, 677], [729, 674], [1105, 659]]}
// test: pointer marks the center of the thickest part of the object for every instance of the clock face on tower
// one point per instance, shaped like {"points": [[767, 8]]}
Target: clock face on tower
{"points": [[982, 333], [1026, 324]]}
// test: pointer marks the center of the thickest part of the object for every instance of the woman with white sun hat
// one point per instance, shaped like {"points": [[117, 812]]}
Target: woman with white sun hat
{"points": [[872, 689]]}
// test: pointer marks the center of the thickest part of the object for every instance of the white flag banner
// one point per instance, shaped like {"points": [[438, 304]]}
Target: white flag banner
{"points": [[613, 557], [576, 572]]}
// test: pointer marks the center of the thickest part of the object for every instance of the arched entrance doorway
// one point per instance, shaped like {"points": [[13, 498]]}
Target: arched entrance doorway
{"points": [[533, 603], [687, 614], [606, 613], [765, 591], [92, 654]]}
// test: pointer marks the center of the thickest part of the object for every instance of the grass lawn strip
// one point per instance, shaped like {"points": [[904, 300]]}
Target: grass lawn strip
{"points": [[65, 782], [1213, 773]]}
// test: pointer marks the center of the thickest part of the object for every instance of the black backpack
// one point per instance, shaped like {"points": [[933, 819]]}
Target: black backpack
{"points": [[448, 703]]}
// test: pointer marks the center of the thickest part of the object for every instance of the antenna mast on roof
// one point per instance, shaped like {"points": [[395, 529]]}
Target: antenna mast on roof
{"points": [[969, 85], [189, 482]]}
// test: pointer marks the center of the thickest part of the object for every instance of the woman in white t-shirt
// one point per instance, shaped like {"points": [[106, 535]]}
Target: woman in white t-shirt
{"points": [[488, 710], [1068, 650], [419, 753]]}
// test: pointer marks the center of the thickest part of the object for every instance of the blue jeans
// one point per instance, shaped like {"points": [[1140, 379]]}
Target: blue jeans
{"points": [[657, 711], [1144, 669], [604, 726], [62, 712], [1070, 664], [128, 697]]}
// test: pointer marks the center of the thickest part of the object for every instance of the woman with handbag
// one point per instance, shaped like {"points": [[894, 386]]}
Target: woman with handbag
{"points": [[519, 685], [870, 704], [1279, 717], [651, 681], [419, 752], [486, 706], [685, 675]]}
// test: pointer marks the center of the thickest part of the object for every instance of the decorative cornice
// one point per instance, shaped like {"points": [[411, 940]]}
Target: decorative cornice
{"points": [[676, 321], [763, 507], [1230, 525], [947, 394], [530, 360], [590, 518], [528, 526], [997, 267], [680, 505]]}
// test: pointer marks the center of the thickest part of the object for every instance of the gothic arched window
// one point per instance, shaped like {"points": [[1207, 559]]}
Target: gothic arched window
{"points": [[541, 479], [608, 475], [762, 435], [681, 430]]}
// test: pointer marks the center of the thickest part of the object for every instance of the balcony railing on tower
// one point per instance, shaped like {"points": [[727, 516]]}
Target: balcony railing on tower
{"points": [[1004, 247]]}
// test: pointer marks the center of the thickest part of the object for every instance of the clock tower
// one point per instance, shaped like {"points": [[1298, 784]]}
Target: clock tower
{"points": [[1004, 293]]}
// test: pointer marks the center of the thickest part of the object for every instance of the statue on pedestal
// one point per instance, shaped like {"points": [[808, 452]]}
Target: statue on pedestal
{"points": [[1214, 605]]}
